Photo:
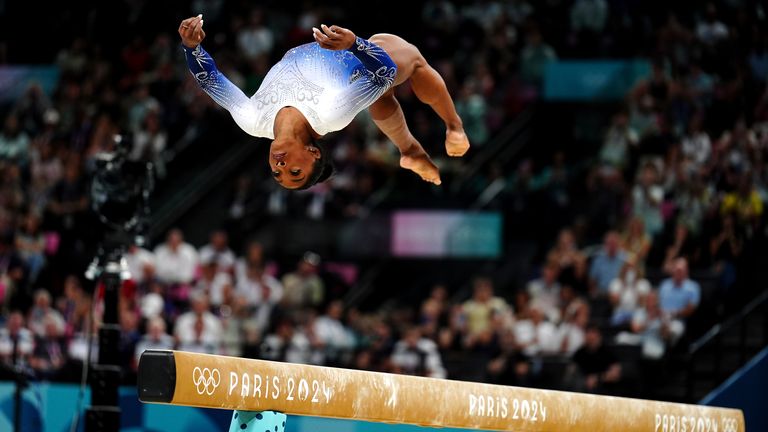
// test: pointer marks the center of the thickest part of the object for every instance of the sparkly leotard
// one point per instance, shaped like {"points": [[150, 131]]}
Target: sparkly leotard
{"points": [[328, 87]]}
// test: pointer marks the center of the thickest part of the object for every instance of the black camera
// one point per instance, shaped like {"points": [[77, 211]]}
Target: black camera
{"points": [[120, 198]]}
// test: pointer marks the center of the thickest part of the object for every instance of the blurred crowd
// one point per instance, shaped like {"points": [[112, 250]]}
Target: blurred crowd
{"points": [[655, 224]]}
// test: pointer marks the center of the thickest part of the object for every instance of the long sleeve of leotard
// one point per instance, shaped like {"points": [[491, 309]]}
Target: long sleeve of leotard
{"points": [[375, 60], [221, 89]]}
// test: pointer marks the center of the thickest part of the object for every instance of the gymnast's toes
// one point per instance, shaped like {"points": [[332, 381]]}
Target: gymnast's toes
{"points": [[456, 143]]}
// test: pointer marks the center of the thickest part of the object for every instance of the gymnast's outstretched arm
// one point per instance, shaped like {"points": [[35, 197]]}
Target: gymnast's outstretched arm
{"points": [[213, 82]]}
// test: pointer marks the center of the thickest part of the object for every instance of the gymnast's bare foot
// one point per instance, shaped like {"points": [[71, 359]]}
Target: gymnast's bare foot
{"points": [[418, 161], [456, 142]]}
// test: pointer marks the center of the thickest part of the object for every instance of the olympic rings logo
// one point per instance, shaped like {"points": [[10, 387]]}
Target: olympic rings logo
{"points": [[206, 380]]}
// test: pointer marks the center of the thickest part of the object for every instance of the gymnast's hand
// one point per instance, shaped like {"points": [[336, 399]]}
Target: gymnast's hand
{"points": [[334, 37], [191, 31]]}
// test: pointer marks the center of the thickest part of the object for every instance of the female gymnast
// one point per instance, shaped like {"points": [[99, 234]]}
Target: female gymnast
{"points": [[318, 88]]}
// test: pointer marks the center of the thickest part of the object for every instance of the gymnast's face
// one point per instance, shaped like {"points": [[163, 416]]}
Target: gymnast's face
{"points": [[292, 162]]}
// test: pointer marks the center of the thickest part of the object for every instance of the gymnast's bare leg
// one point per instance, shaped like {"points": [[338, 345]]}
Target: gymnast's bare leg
{"points": [[430, 88]]}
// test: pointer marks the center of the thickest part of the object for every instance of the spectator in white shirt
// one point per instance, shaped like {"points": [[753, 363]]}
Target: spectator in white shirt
{"points": [[627, 293], [258, 288], [212, 281], [141, 263], [657, 329], [417, 355], [545, 292], [537, 336], [41, 312], [287, 344], [218, 251], [15, 335], [710, 30], [332, 333], [198, 330], [176, 260]]}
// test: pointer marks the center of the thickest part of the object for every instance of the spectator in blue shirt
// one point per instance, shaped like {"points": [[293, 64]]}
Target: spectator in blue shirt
{"points": [[606, 264], [679, 296]]}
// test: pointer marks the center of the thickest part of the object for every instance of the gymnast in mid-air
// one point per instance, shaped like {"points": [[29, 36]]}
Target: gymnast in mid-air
{"points": [[319, 88]]}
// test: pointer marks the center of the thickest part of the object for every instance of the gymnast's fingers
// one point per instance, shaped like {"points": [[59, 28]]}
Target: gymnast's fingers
{"points": [[188, 27], [341, 31], [330, 33], [319, 36]]}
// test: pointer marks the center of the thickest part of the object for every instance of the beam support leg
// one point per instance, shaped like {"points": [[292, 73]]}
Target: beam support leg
{"points": [[254, 421]]}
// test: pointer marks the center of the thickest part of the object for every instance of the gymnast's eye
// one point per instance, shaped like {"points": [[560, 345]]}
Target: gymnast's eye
{"points": [[295, 172], [275, 174]]}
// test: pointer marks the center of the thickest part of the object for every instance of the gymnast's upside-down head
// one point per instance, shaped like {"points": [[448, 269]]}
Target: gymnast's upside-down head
{"points": [[299, 165]]}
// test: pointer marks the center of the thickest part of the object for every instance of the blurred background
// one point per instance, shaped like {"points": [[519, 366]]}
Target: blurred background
{"points": [[606, 232]]}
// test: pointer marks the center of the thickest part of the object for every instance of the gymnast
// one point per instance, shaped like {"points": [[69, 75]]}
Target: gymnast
{"points": [[319, 88]]}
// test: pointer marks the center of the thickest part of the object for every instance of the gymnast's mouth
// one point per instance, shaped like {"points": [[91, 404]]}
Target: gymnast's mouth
{"points": [[278, 156]]}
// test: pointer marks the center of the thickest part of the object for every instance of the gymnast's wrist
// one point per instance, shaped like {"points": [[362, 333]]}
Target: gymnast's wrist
{"points": [[357, 45]]}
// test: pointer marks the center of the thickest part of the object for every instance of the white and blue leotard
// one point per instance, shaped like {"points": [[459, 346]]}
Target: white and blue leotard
{"points": [[328, 87]]}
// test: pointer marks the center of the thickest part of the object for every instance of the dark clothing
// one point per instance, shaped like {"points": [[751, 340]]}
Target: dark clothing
{"points": [[594, 362]]}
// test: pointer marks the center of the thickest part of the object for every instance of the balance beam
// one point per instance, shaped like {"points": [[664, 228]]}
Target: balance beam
{"points": [[210, 381]]}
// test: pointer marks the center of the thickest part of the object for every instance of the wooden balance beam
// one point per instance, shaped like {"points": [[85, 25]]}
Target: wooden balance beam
{"points": [[211, 381]]}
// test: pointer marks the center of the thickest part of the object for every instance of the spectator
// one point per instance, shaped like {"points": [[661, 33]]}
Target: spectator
{"points": [[287, 344], [50, 353], [30, 245], [335, 337], [141, 263], [596, 368], [683, 246], [510, 366], [535, 336], [16, 342], [572, 263], [129, 338], [696, 145], [636, 242], [218, 251], [304, 287], [574, 326], [657, 329], [620, 139], [545, 292], [417, 355], [198, 330], [725, 250], [479, 311], [75, 306], [155, 338], [710, 30], [536, 54], [745, 202], [150, 141], [589, 15], [254, 39], [12, 272], [14, 142], [627, 292], [42, 314], [606, 264], [212, 281], [259, 288], [647, 196], [176, 260], [679, 296], [254, 256]]}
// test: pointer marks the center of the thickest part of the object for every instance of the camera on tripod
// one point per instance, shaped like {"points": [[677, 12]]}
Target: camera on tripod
{"points": [[120, 197]]}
